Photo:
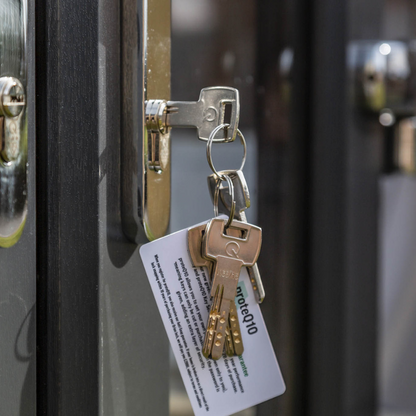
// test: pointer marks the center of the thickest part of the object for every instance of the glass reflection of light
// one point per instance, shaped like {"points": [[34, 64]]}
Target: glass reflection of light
{"points": [[286, 61], [384, 48], [386, 117]]}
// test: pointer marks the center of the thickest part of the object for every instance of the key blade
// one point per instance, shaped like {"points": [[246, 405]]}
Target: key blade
{"points": [[221, 325], [223, 329], [229, 346], [257, 283], [234, 326], [215, 335], [254, 275]]}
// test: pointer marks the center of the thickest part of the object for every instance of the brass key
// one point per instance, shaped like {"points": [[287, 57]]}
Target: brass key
{"points": [[233, 341], [229, 255], [242, 201]]}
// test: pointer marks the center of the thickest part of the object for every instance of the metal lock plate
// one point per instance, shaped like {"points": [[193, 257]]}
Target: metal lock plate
{"points": [[145, 174], [148, 116], [13, 121]]}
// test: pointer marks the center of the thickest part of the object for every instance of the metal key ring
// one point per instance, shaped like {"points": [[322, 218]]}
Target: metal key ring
{"points": [[209, 146], [216, 196]]}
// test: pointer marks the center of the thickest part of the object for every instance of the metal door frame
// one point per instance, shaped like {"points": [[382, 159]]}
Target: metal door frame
{"points": [[81, 363]]}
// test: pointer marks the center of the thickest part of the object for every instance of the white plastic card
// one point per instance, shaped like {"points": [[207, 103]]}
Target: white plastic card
{"points": [[182, 294]]}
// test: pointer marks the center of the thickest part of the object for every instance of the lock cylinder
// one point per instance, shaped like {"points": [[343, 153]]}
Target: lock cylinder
{"points": [[12, 104]]}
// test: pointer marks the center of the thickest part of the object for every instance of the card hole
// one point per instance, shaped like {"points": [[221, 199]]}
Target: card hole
{"points": [[227, 113], [242, 232]]}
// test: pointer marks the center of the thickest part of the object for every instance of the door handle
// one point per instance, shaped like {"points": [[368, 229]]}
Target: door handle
{"points": [[146, 144], [13, 121]]}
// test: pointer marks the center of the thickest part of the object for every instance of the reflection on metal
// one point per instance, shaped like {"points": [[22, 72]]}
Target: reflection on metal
{"points": [[206, 115], [145, 199], [13, 127], [156, 70], [146, 185]]}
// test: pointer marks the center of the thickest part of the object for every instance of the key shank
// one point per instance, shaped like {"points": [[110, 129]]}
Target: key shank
{"points": [[225, 275]]}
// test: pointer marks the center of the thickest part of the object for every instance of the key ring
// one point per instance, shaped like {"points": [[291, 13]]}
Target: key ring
{"points": [[209, 146], [216, 196]]}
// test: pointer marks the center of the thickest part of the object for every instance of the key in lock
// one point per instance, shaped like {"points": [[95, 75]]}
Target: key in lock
{"points": [[216, 106]]}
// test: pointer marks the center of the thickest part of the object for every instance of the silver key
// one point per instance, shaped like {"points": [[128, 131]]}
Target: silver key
{"points": [[242, 202], [241, 193], [229, 255], [205, 114], [233, 341]]}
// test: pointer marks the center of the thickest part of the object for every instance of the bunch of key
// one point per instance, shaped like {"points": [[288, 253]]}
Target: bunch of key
{"points": [[224, 247]]}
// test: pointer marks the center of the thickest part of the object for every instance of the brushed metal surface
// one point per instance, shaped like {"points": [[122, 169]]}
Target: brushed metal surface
{"points": [[146, 74], [18, 265], [13, 180], [156, 64]]}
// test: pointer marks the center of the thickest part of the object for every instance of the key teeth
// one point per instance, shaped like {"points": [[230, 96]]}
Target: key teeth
{"points": [[229, 346], [215, 335], [210, 334], [235, 330], [223, 329]]}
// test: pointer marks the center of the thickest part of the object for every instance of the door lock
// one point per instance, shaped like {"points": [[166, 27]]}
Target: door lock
{"points": [[216, 105], [148, 116], [12, 103]]}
